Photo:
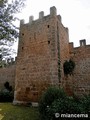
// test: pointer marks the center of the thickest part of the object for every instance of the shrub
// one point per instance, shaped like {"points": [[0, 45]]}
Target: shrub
{"points": [[7, 86], [52, 94], [85, 101], [55, 101], [6, 95], [68, 67]]}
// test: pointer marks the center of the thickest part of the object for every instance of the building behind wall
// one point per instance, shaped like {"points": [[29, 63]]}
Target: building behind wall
{"points": [[43, 48]]}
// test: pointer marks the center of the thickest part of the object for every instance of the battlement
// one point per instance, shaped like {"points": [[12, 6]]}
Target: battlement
{"points": [[7, 63], [41, 15], [82, 43], [11, 61], [53, 12], [82, 50]]}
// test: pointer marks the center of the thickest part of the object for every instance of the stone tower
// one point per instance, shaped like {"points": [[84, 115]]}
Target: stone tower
{"points": [[43, 47]]}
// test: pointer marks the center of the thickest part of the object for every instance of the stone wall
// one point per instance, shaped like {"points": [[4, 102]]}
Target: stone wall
{"points": [[43, 48], [7, 74], [63, 48], [81, 77], [38, 63]]}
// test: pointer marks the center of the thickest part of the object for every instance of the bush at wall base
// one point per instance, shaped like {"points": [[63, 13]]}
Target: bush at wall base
{"points": [[55, 101], [52, 94], [6, 96]]}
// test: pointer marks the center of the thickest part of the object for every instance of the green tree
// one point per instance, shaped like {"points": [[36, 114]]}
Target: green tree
{"points": [[8, 31], [8, 10]]}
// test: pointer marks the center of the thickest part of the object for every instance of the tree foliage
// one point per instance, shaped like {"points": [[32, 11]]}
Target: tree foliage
{"points": [[8, 9], [55, 102], [8, 30], [6, 94], [68, 67]]}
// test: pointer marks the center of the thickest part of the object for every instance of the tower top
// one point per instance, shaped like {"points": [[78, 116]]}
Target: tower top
{"points": [[53, 12]]}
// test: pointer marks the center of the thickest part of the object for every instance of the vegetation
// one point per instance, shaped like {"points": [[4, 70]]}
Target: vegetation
{"points": [[11, 112], [6, 50], [6, 62], [56, 101], [52, 103], [8, 9], [51, 95], [7, 86], [2, 63], [8, 30], [6, 94], [68, 67]]}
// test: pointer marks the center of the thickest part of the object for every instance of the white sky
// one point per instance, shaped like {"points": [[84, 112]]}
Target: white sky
{"points": [[75, 15]]}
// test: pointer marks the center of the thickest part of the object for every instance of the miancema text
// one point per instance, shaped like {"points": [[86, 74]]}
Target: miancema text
{"points": [[74, 115]]}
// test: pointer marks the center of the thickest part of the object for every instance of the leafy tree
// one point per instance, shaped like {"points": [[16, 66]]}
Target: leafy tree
{"points": [[6, 50], [8, 30]]}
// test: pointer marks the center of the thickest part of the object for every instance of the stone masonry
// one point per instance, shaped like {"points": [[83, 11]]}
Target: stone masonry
{"points": [[7, 74], [40, 56], [81, 78], [43, 48]]}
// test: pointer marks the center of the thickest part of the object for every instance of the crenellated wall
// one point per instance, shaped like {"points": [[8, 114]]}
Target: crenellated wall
{"points": [[7, 74], [43, 48], [81, 77]]}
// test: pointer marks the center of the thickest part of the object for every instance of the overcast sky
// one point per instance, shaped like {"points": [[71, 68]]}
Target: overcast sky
{"points": [[75, 15]]}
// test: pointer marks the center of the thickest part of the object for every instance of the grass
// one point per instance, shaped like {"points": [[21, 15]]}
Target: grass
{"points": [[11, 112]]}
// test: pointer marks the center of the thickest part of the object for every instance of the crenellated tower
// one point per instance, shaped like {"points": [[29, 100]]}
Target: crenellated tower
{"points": [[43, 48]]}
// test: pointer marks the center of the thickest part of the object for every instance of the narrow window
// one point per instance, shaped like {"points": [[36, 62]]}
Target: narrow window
{"points": [[48, 26], [35, 36], [48, 42], [22, 48]]}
